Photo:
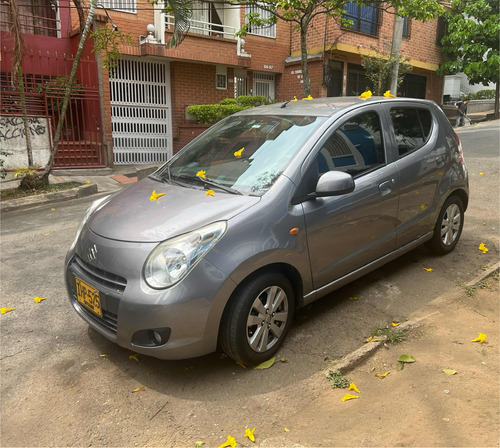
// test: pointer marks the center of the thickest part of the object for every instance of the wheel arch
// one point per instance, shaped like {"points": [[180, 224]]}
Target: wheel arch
{"points": [[464, 197]]}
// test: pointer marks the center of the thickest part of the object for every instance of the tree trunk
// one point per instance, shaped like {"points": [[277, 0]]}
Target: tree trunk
{"points": [[69, 87], [303, 60], [22, 94], [397, 37]]}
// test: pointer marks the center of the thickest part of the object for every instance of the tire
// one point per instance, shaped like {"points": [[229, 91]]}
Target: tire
{"points": [[258, 318], [448, 226]]}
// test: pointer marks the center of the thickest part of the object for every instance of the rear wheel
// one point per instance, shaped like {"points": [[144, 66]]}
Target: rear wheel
{"points": [[258, 318], [448, 226]]}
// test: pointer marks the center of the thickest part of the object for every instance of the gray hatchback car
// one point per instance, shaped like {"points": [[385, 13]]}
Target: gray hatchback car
{"points": [[266, 211]]}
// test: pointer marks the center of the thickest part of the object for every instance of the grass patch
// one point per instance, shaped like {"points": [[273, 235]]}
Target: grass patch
{"points": [[470, 291], [14, 193], [393, 336], [337, 380]]}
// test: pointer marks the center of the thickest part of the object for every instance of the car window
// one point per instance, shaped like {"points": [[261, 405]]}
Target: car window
{"points": [[355, 147], [412, 128]]}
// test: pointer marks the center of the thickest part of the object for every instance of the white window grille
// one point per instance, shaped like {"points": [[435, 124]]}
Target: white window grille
{"points": [[263, 84], [120, 5], [221, 77], [207, 18], [268, 30]]}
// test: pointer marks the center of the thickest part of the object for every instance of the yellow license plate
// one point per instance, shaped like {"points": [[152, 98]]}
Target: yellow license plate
{"points": [[88, 296]]}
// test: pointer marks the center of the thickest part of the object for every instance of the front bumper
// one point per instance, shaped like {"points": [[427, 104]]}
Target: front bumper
{"points": [[189, 312]]}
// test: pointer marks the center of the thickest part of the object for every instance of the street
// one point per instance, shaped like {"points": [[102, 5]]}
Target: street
{"points": [[65, 385]]}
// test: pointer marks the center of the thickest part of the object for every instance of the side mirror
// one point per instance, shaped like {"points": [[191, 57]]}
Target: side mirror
{"points": [[334, 183]]}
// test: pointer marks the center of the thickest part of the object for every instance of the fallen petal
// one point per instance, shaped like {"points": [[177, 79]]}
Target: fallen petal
{"points": [[369, 339], [134, 357], [201, 174], [353, 298], [382, 375], [231, 441], [210, 193], [395, 324], [449, 371], [349, 397], [428, 269], [4, 310], [139, 389], [39, 299], [249, 434], [353, 387], [481, 338]]}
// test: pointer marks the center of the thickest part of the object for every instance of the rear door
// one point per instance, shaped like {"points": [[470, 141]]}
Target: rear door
{"points": [[421, 160], [348, 231]]}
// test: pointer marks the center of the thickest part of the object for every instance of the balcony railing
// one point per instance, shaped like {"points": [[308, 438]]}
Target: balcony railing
{"points": [[205, 28], [41, 26]]}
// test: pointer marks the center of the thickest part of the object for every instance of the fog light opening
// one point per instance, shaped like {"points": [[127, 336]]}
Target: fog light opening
{"points": [[157, 337]]}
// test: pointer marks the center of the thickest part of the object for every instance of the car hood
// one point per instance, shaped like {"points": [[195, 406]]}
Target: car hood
{"points": [[131, 215]]}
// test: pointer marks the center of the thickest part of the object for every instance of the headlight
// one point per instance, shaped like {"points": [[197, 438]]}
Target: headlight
{"points": [[171, 260], [94, 206]]}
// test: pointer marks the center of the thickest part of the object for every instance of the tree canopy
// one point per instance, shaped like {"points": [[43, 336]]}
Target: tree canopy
{"points": [[302, 12], [471, 42]]}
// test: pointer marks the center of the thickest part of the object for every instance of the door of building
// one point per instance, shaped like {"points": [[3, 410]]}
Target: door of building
{"points": [[335, 74], [141, 112], [263, 84]]}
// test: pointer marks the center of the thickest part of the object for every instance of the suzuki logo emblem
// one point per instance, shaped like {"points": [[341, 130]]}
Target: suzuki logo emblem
{"points": [[92, 253]]}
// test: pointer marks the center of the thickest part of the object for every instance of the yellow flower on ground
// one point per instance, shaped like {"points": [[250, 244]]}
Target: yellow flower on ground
{"points": [[241, 364], [428, 269], [154, 195], [353, 387], [481, 338], [349, 397], [287, 430], [388, 94], [483, 248], [382, 375], [39, 299], [210, 193], [309, 97], [199, 443], [201, 174], [395, 324], [423, 206], [353, 298], [139, 389], [369, 339], [294, 98], [249, 434], [366, 95], [4, 310], [134, 357], [231, 441], [103, 355], [237, 154], [481, 173]]}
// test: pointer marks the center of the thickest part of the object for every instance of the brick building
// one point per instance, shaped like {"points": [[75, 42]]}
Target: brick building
{"points": [[143, 102]]}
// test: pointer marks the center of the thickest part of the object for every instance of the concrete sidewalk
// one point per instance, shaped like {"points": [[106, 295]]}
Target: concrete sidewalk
{"points": [[94, 181]]}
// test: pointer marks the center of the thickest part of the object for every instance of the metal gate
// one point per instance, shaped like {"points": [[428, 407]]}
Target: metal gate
{"points": [[141, 112]]}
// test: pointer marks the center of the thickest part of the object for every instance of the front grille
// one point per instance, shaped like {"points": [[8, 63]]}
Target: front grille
{"points": [[108, 320], [109, 280]]}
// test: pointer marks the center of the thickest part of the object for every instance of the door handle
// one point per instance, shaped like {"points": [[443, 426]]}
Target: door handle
{"points": [[386, 187]]}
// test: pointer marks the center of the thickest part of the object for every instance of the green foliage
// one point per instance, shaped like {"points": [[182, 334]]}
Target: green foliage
{"points": [[378, 71], [227, 101], [251, 101], [3, 171], [212, 113], [471, 42], [337, 380], [393, 336], [108, 40], [485, 94]]}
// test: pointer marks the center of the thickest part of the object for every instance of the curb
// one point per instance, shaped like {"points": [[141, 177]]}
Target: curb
{"points": [[48, 198], [356, 357]]}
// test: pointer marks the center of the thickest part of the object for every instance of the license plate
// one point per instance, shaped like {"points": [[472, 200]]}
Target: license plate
{"points": [[88, 296]]}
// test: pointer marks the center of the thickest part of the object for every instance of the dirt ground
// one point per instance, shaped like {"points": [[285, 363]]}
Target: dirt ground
{"points": [[82, 404]]}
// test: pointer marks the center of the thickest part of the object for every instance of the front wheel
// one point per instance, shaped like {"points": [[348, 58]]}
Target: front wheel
{"points": [[448, 226], [258, 318]]}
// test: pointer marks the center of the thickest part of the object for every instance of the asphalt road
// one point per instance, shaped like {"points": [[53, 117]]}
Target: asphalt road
{"points": [[53, 377]]}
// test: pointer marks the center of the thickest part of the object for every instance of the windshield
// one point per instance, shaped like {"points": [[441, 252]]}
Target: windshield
{"points": [[243, 154]]}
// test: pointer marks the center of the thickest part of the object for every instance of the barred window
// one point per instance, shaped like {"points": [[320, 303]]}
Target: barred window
{"points": [[121, 5], [267, 30], [364, 18]]}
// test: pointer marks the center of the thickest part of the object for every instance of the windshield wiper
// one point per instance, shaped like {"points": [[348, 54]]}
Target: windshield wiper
{"points": [[215, 184]]}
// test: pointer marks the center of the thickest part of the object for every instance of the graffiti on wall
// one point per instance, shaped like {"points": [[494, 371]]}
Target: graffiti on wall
{"points": [[13, 127]]}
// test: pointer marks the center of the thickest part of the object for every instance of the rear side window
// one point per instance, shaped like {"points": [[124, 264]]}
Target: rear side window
{"points": [[355, 147], [412, 128]]}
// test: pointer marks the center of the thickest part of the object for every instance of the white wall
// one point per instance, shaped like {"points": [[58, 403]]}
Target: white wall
{"points": [[13, 140]]}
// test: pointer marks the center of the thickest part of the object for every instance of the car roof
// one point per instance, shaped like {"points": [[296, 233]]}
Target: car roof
{"points": [[320, 107]]}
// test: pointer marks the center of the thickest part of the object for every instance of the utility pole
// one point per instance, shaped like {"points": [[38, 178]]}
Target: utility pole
{"points": [[397, 37]]}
